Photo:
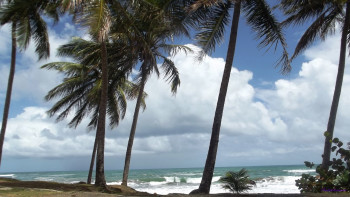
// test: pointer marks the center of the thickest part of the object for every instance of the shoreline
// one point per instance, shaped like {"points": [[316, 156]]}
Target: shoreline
{"points": [[13, 187]]}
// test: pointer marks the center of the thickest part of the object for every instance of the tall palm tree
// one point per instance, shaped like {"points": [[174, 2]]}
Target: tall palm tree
{"points": [[150, 32], [213, 16], [27, 23], [96, 16], [325, 14], [80, 89]]}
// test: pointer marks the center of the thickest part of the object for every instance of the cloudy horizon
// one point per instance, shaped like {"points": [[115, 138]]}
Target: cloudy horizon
{"points": [[276, 122]]}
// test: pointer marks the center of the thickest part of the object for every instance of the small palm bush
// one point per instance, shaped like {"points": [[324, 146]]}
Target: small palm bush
{"points": [[237, 181]]}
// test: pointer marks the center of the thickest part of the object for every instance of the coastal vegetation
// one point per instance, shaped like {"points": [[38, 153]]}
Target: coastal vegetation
{"points": [[238, 182], [131, 40], [336, 179]]}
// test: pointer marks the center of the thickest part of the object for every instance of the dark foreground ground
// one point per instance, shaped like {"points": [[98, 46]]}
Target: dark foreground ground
{"points": [[12, 187]]}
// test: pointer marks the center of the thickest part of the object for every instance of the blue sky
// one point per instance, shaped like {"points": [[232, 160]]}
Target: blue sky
{"points": [[269, 119]]}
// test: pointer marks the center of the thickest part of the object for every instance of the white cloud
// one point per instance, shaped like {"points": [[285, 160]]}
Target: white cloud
{"points": [[30, 81], [5, 40], [264, 126], [328, 49]]}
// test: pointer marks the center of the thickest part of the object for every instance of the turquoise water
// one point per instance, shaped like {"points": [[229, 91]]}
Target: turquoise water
{"points": [[270, 179]]}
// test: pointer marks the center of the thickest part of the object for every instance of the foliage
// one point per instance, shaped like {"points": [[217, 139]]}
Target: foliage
{"points": [[81, 88], [237, 181], [336, 179], [213, 17]]}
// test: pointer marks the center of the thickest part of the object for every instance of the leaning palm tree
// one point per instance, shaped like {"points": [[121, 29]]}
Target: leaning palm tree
{"points": [[81, 88], [325, 14], [213, 16], [27, 24], [149, 35]]}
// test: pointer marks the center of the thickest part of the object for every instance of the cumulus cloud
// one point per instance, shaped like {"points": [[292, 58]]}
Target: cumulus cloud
{"points": [[31, 82], [5, 39], [192, 109], [282, 124]]}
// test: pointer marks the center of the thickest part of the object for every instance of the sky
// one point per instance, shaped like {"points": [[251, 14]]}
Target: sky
{"points": [[269, 118]]}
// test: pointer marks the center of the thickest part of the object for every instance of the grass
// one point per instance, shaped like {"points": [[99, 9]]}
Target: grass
{"points": [[13, 187]]}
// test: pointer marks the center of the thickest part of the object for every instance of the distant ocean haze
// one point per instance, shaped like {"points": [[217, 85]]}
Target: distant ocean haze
{"points": [[269, 179]]}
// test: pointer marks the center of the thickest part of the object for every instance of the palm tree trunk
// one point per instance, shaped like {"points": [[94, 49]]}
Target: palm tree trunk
{"points": [[132, 133], [9, 89], [208, 171], [336, 96], [92, 161], [100, 175]]}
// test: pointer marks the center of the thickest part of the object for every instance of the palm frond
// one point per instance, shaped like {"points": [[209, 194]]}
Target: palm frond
{"points": [[113, 110], [79, 115], [213, 28], [173, 49], [300, 11], [23, 32], [321, 27], [40, 36], [204, 4], [94, 118], [26, 14], [171, 74], [267, 28], [81, 86]]}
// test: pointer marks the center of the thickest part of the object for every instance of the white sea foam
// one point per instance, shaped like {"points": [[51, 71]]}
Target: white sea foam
{"points": [[194, 180], [62, 175], [300, 171], [172, 179], [198, 180], [278, 185], [7, 175], [44, 179], [188, 174], [114, 183], [215, 179], [155, 183]]}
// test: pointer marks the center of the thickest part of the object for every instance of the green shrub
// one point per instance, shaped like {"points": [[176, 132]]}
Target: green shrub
{"points": [[336, 179], [237, 181]]}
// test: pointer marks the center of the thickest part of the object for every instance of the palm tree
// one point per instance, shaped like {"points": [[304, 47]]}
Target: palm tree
{"points": [[237, 181], [150, 31], [213, 16], [326, 15], [96, 16], [99, 16], [26, 24], [81, 87]]}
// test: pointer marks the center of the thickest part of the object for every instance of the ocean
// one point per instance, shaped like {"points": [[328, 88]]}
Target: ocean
{"points": [[269, 179]]}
